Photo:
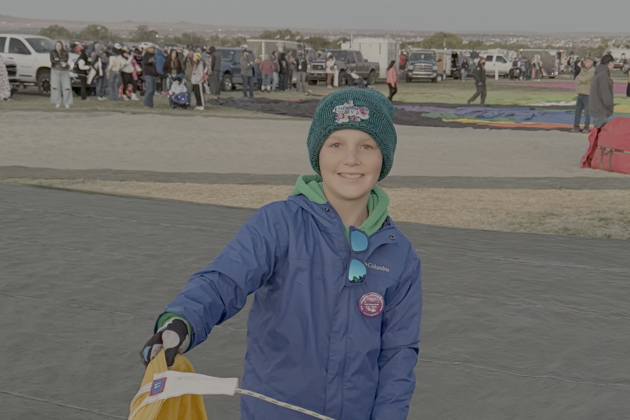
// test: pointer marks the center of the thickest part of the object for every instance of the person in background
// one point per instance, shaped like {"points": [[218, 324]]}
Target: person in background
{"points": [[402, 60], [60, 76], [479, 74], [137, 59], [583, 90], [284, 70], [247, 69], [257, 73], [196, 79], [291, 69], [464, 68], [392, 80], [172, 68], [330, 70], [82, 69], [215, 71], [149, 73], [576, 68], [177, 92], [115, 65], [160, 58], [266, 68], [628, 87], [537, 68], [188, 65], [5, 86], [301, 65], [103, 57], [276, 71], [601, 99], [127, 74]]}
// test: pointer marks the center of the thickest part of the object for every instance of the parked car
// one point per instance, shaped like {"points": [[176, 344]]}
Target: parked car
{"points": [[345, 61], [498, 63], [32, 55], [231, 66], [422, 65]]}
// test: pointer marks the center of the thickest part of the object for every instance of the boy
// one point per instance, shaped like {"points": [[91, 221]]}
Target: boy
{"points": [[334, 327]]}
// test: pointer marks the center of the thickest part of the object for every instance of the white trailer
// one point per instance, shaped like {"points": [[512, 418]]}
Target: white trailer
{"points": [[380, 50]]}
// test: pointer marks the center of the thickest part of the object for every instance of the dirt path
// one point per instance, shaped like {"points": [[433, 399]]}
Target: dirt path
{"points": [[597, 214]]}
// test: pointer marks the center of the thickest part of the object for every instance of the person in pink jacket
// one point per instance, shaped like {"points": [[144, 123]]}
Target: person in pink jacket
{"points": [[266, 68], [392, 79]]}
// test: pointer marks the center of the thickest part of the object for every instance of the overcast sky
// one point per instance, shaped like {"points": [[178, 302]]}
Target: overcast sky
{"points": [[422, 15]]}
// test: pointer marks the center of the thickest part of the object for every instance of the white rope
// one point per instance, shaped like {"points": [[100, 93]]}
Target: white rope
{"points": [[282, 404]]}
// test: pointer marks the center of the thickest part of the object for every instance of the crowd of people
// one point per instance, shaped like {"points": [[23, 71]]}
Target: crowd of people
{"points": [[122, 73]]}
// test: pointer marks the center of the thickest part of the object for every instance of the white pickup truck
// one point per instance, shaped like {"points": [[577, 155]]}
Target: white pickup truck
{"points": [[32, 55], [498, 62]]}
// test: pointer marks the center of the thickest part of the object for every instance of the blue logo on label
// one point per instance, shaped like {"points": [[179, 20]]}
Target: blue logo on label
{"points": [[158, 386]]}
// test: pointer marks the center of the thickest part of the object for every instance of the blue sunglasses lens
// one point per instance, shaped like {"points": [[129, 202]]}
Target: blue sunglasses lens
{"points": [[356, 272], [358, 241]]}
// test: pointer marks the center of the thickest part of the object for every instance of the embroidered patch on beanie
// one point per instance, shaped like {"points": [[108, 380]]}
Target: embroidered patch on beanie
{"points": [[348, 112]]}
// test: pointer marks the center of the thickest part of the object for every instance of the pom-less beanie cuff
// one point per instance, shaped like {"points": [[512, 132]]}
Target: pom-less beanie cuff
{"points": [[354, 109]]}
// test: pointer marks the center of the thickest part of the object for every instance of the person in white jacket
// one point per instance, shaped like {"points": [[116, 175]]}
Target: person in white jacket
{"points": [[196, 80], [116, 63], [177, 87]]}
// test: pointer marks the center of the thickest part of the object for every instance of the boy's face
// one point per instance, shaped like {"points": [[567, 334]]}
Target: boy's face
{"points": [[350, 163]]}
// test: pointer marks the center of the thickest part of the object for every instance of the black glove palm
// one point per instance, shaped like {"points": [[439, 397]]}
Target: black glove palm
{"points": [[172, 337]]}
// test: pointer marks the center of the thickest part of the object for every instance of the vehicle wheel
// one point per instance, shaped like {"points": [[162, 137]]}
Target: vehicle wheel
{"points": [[226, 83], [434, 80], [343, 78], [43, 82], [312, 82], [372, 77]]}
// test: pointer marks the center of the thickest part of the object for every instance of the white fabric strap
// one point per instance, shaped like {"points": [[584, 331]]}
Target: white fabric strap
{"points": [[172, 384]]}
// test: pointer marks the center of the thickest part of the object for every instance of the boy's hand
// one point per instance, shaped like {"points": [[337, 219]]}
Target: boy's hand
{"points": [[173, 337]]}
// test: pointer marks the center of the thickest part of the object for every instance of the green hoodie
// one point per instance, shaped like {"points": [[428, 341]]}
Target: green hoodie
{"points": [[311, 186]]}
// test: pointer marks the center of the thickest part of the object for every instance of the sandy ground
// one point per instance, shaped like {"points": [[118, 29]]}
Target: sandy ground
{"points": [[265, 146], [598, 214], [515, 326]]}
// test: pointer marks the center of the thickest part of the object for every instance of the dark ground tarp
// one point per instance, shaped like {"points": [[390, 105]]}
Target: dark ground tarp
{"points": [[405, 113], [515, 326]]}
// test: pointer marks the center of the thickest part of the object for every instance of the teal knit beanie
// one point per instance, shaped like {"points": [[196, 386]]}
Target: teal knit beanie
{"points": [[355, 109]]}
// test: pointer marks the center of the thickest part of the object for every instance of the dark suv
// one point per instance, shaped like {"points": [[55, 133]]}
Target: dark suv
{"points": [[422, 64], [231, 66]]}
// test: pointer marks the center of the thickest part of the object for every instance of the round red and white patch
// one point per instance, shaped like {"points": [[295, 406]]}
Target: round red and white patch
{"points": [[371, 304]]}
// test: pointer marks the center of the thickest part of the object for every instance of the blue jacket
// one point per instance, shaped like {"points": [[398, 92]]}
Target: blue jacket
{"points": [[308, 343], [159, 61]]}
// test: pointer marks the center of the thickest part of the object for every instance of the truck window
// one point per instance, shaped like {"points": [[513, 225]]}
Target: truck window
{"points": [[226, 55], [17, 47], [3, 40], [339, 55], [359, 57], [350, 59], [41, 45], [422, 56], [500, 59], [489, 58]]}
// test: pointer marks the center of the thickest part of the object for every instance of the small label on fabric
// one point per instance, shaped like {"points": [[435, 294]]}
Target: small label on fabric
{"points": [[348, 112], [371, 304], [158, 386]]}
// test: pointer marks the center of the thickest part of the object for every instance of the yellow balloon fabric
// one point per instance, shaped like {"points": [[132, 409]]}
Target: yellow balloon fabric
{"points": [[186, 407]]}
